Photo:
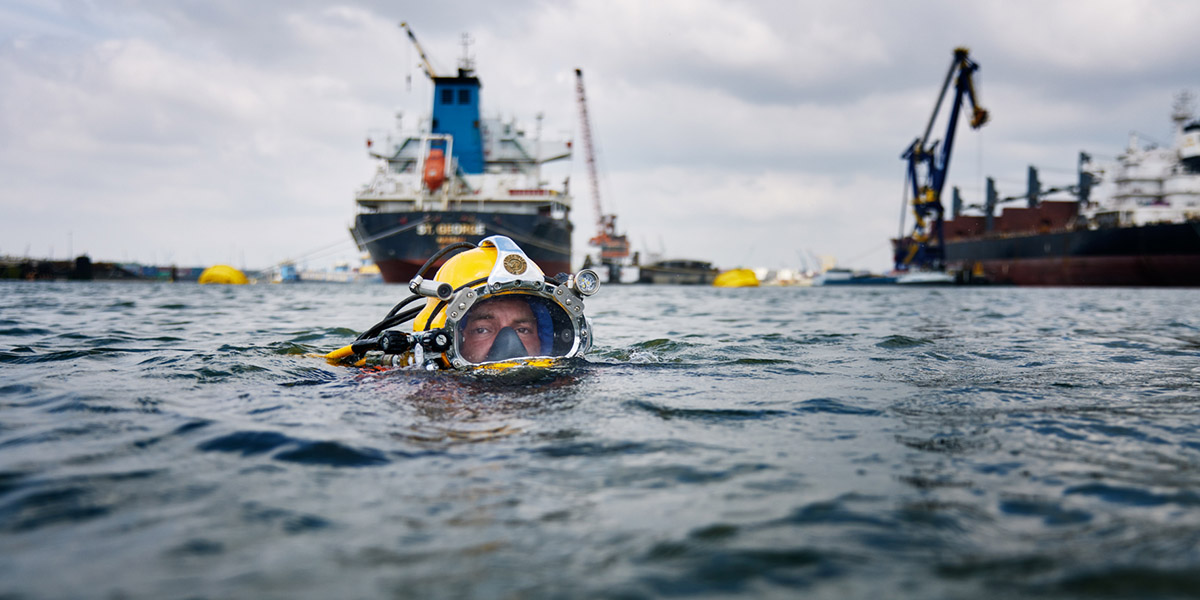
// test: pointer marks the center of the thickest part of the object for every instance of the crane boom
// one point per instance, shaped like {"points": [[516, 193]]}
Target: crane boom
{"points": [[613, 247], [927, 169], [425, 64], [588, 154]]}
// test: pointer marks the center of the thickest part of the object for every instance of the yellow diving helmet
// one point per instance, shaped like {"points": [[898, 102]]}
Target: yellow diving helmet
{"points": [[490, 305]]}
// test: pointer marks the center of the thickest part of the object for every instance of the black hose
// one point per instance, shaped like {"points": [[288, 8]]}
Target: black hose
{"points": [[402, 304], [398, 319], [390, 322]]}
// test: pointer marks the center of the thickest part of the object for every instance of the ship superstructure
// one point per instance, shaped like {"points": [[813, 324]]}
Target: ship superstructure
{"points": [[454, 177], [1151, 184]]}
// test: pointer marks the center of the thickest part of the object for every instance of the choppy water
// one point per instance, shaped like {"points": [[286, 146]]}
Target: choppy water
{"points": [[169, 441]]}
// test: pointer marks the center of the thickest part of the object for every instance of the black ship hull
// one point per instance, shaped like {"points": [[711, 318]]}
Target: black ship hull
{"points": [[401, 242], [1152, 255], [686, 272]]}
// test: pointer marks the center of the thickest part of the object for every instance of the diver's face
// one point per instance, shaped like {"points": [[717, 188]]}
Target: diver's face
{"points": [[488, 318]]}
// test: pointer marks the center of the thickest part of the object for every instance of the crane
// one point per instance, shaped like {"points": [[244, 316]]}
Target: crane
{"points": [[614, 247], [425, 64], [925, 247]]}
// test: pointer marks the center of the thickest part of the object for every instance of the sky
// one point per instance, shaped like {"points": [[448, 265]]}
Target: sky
{"points": [[755, 133]]}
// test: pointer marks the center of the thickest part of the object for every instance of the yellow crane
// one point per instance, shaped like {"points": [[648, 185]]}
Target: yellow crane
{"points": [[425, 65]]}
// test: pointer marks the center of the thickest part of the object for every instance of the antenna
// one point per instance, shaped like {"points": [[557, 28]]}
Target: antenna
{"points": [[467, 63], [1182, 112]]}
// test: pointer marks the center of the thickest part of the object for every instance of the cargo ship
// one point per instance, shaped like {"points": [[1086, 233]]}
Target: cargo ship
{"points": [[456, 177], [1134, 221]]}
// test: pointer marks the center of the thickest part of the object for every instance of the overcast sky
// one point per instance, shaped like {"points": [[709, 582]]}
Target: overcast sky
{"points": [[744, 133]]}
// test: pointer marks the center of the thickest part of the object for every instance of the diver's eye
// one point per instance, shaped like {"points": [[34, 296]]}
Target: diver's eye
{"points": [[479, 330], [524, 330]]}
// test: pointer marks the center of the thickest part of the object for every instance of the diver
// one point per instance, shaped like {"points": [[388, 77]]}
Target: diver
{"points": [[488, 306]]}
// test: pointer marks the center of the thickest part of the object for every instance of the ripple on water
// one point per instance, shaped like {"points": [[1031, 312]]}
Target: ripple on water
{"points": [[601, 448], [246, 443], [896, 342], [290, 521], [15, 389], [23, 331], [41, 503], [295, 450], [27, 356], [1133, 496], [833, 406], [333, 454], [1050, 512], [703, 414], [705, 566]]}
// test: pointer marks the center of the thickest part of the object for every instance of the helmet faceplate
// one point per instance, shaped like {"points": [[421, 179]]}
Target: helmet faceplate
{"points": [[559, 327]]}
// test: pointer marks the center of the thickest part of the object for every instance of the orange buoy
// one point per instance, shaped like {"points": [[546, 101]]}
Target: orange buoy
{"points": [[435, 169]]}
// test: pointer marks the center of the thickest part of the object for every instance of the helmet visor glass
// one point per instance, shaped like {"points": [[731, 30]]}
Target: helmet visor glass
{"points": [[513, 326]]}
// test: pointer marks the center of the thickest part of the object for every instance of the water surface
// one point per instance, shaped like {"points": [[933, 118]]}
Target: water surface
{"points": [[161, 441]]}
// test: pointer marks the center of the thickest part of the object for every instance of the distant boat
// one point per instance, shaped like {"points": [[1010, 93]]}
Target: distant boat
{"points": [[342, 272], [285, 273], [925, 278], [848, 277], [694, 272]]}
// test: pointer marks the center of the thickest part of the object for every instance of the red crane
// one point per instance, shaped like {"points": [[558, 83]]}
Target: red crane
{"points": [[614, 248]]}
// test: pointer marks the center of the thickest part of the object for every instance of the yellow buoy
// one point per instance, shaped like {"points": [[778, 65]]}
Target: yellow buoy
{"points": [[736, 278], [223, 274]]}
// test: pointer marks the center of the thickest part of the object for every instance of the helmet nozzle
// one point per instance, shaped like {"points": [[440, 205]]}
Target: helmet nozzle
{"points": [[430, 288]]}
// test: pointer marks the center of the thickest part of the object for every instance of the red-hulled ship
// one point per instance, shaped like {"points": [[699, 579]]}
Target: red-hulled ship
{"points": [[1054, 244], [1134, 222]]}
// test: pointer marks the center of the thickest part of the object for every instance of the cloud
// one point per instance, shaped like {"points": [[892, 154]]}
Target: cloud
{"points": [[732, 131], [761, 215]]}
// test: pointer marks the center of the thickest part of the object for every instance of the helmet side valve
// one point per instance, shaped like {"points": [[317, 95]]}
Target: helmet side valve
{"points": [[430, 288], [437, 340], [395, 342]]}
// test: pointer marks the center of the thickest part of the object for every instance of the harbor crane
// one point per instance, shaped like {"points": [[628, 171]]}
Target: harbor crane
{"points": [[425, 64], [924, 248], [614, 247]]}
